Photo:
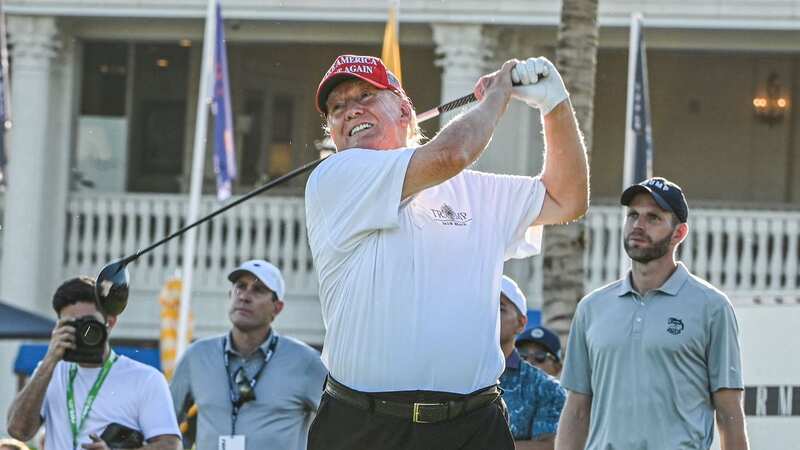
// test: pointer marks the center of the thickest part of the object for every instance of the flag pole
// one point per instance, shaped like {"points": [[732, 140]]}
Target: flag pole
{"points": [[629, 161], [4, 68], [196, 186], [629, 171], [5, 118]]}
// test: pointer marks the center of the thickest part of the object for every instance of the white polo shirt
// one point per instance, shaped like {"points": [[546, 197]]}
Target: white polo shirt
{"points": [[410, 291]]}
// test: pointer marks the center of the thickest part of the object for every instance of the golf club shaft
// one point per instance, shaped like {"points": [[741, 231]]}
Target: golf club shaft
{"points": [[435, 112], [427, 115], [449, 106], [242, 199]]}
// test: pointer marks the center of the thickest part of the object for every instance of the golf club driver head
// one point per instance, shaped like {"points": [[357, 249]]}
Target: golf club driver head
{"points": [[112, 286]]}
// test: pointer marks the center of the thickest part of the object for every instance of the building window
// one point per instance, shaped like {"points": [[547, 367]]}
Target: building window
{"points": [[100, 156], [158, 118], [268, 146], [280, 145], [131, 127], [105, 74]]}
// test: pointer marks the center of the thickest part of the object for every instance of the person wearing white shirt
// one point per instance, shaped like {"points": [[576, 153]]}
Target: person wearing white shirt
{"points": [[78, 402], [409, 249]]}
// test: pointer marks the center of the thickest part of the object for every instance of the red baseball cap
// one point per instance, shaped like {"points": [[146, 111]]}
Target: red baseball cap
{"points": [[367, 68]]}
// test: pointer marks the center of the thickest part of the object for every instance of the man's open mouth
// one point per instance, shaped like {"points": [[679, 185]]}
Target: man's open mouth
{"points": [[359, 128]]}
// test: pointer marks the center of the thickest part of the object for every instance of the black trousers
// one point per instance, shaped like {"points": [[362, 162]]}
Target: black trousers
{"points": [[341, 426]]}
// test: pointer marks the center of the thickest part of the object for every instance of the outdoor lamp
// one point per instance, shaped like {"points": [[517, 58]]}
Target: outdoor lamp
{"points": [[771, 107]]}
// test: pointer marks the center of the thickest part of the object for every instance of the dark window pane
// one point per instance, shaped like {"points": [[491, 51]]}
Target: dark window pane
{"points": [[280, 147], [105, 71], [251, 166], [156, 153]]}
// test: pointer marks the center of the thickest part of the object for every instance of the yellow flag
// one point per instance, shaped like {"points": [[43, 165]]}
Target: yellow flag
{"points": [[391, 45], [170, 299]]}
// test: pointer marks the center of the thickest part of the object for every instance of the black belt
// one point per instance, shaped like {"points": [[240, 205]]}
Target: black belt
{"points": [[415, 412]]}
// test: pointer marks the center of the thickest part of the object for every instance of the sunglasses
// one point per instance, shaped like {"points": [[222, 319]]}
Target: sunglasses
{"points": [[537, 356], [244, 387]]}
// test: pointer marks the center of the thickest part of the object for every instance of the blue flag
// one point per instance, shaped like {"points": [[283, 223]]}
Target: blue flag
{"points": [[639, 136], [224, 149]]}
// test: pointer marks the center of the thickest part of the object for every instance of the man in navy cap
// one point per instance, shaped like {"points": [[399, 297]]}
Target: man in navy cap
{"points": [[542, 348], [654, 357]]}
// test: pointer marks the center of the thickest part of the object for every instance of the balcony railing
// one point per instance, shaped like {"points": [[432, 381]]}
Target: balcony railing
{"points": [[108, 226], [751, 255]]}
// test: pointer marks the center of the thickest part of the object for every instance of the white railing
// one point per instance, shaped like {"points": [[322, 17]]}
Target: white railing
{"points": [[105, 227], [751, 255]]}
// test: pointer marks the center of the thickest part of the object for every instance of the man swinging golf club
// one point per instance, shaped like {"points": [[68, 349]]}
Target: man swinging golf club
{"points": [[409, 249]]}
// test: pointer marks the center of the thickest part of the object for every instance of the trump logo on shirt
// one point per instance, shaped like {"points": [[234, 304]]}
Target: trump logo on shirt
{"points": [[446, 215]]}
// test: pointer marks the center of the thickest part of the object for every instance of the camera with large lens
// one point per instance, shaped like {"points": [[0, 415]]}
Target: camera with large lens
{"points": [[90, 341]]}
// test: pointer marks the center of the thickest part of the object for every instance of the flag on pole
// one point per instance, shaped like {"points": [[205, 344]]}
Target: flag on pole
{"points": [[224, 150], [638, 132], [169, 299], [391, 44], [638, 164]]}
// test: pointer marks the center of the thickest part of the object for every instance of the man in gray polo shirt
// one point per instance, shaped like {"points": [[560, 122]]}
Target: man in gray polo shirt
{"points": [[273, 385], [652, 357]]}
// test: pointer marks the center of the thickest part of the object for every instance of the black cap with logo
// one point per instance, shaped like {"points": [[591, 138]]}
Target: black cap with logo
{"points": [[667, 194]]}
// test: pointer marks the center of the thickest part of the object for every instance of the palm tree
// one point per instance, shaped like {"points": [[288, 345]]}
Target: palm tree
{"points": [[563, 264]]}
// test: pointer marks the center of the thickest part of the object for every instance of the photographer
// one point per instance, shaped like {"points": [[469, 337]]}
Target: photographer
{"points": [[88, 396]]}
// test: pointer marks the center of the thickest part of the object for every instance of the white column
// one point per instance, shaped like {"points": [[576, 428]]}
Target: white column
{"points": [[63, 112], [33, 224], [462, 50], [517, 146], [29, 265]]}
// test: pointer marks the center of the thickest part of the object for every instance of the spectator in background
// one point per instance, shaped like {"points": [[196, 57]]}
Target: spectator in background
{"points": [[654, 356], [253, 388], [542, 348], [534, 399]]}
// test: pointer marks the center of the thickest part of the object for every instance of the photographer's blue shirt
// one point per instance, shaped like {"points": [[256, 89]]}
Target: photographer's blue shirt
{"points": [[534, 399]]}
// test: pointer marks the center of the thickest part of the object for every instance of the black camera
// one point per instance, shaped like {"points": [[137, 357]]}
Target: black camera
{"points": [[90, 341], [120, 436]]}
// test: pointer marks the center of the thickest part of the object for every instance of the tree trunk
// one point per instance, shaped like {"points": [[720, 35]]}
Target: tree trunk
{"points": [[563, 263]]}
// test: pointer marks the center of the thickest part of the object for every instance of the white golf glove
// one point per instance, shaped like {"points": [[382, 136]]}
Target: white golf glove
{"points": [[540, 84]]}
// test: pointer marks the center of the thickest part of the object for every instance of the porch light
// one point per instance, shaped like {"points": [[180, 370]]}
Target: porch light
{"points": [[771, 108], [185, 43], [162, 62]]}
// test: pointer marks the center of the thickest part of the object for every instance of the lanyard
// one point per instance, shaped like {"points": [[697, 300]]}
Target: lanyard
{"points": [[75, 425], [234, 396]]}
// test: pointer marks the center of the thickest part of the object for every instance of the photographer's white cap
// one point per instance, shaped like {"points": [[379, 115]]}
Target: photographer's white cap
{"points": [[509, 288], [264, 271]]}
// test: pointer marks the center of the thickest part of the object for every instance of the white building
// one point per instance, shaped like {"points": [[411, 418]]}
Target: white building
{"points": [[104, 93]]}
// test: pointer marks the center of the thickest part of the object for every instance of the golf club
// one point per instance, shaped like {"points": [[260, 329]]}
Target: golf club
{"points": [[113, 283]]}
